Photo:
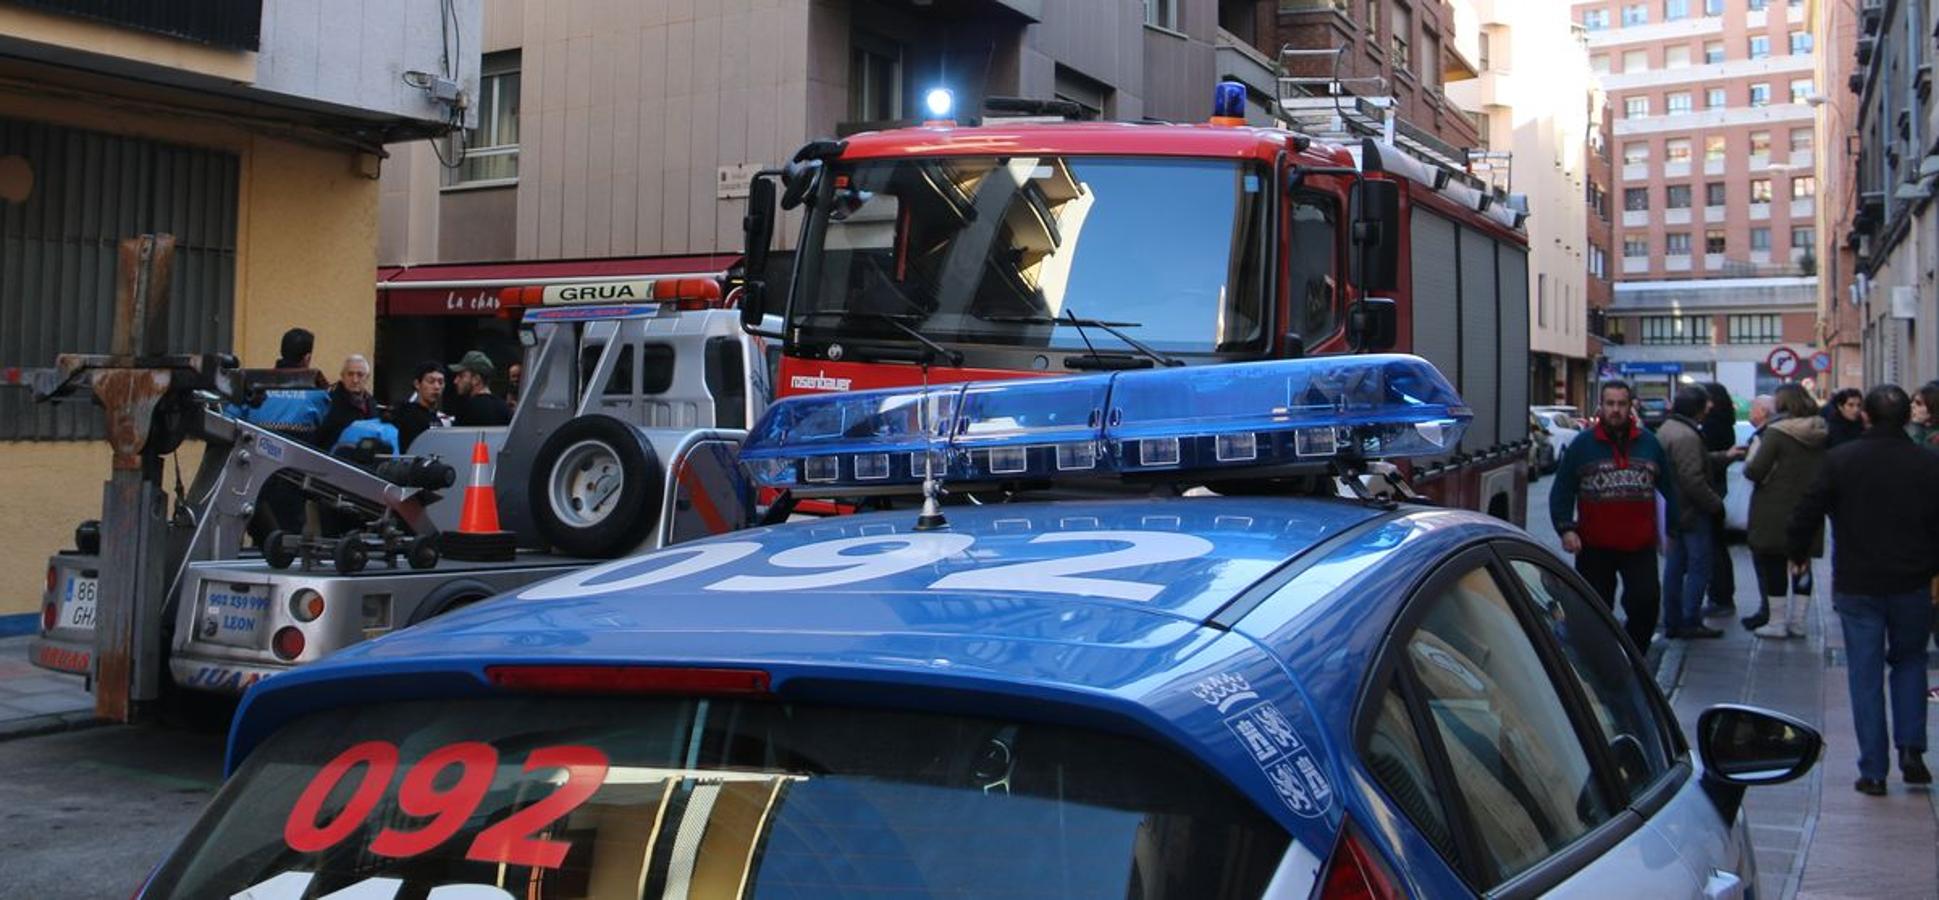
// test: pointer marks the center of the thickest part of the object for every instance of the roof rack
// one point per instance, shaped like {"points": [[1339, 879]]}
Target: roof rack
{"points": [[1344, 109]]}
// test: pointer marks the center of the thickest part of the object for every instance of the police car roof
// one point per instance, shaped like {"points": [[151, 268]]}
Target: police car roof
{"points": [[1094, 598]]}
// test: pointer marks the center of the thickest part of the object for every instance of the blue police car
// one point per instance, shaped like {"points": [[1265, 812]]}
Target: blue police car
{"points": [[1195, 696]]}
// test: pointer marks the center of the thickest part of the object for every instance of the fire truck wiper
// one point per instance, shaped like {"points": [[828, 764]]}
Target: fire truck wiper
{"points": [[1071, 318], [900, 322]]}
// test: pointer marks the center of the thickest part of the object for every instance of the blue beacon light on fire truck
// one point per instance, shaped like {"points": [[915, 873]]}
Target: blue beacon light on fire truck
{"points": [[1233, 420]]}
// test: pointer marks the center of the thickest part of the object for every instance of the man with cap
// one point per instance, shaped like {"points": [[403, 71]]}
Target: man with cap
{"points": [[470, 400]]}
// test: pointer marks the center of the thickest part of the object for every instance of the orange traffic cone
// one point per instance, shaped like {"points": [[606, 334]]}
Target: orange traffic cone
{"points": [[479, 537]]}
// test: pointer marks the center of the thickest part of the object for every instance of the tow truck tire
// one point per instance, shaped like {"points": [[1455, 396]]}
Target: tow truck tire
{"points": [[350, 555], [449, 596], [276, 551], [422, 552], [577, 508]]}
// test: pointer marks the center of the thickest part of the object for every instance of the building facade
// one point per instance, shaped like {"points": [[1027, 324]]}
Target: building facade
{"points": [[1897, 167], [1533, 99], [253, 132], [1715, 189], [1841, 323]]}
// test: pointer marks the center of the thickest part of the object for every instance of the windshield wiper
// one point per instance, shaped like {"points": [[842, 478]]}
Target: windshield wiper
{"points": [[899, 321], [1071, 318]]}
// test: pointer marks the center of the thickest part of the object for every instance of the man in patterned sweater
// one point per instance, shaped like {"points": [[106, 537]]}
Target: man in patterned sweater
{"points": [[1604, 504]]}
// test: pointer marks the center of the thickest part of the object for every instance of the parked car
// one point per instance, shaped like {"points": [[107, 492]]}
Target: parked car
{"points": [[1562, 423], [1652, 410], [1541, 452]]}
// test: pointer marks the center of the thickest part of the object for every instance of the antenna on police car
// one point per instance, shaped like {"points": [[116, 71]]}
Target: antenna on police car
{"points": [[931, 518]]}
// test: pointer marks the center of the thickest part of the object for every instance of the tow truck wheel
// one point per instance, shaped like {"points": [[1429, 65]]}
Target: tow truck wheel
{"points": [[596, 488], [350, 555], [422, 553], [276, 551]]}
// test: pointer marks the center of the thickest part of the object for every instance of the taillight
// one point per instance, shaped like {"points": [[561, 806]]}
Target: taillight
{"points": [[306, 605], [49, 614], [53, 578], [630, 680], [288, 642], [1354, 874]]}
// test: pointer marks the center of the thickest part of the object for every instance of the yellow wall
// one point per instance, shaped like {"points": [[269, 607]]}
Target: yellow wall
{"points": [[306, 255], [76, 33]]}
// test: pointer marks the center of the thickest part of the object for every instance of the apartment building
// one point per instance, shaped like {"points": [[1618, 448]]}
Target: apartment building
{"points": [[252, 130], [617, 139], [1897, 173], [1536, 101], [1715, 151], [1835, 26]]}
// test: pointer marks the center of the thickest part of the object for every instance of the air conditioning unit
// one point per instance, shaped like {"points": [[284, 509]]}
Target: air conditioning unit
{"points": [[1870, 14], [1865, 46]]}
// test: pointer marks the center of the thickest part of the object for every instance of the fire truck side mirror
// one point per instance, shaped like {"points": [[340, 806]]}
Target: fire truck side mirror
{"points": [[1376, 235], [1373, 324], [757, 228]]}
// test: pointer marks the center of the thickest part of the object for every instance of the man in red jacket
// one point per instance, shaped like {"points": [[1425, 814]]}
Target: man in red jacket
{"points": [[1604, 507]]}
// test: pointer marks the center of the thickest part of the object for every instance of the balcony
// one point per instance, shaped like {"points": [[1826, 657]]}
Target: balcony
{"points": [[1804, 207], [1676, 216], [1713, 262], [1635, 218], [1636, 171], [1760, 257], [1759, 162], [1676, 263], [1676, 170], [1756, 18], [1713, 215], [1801, 159], [1760, 211], [1635, 265], [1713, 167]]}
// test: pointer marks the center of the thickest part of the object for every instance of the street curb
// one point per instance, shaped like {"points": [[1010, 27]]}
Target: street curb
{"points": [[53, 723], [1669, 667]]}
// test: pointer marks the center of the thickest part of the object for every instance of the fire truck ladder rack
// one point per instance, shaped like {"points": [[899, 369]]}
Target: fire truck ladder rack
{"points": [[1329, 107]]}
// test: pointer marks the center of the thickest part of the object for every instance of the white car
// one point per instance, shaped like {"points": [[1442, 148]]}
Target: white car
{"points": [[1738, 488], [1563, 424]]}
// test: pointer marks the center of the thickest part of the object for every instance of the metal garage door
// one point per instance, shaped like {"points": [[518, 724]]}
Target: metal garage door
{"points": [[89, 190]]}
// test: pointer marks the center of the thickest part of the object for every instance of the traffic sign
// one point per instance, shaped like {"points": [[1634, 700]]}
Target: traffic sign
{"points": [[1783, 362], [1821, 361]]}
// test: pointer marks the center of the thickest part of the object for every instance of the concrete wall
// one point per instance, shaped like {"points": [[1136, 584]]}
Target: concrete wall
{"points": [[356, 56], [306, 238]]}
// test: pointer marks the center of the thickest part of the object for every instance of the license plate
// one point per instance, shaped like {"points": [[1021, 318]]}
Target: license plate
{"points": [[233, 614], [78, 605]]}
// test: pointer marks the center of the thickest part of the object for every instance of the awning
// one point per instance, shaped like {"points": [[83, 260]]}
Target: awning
{"points": [[471, 289]]}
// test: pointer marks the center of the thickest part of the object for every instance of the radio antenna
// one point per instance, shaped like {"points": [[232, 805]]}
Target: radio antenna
{"points": [[931, 518]]}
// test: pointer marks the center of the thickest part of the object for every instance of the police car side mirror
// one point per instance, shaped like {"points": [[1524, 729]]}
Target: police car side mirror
{"points": [[1744, 746], [1376, 235], [1373, 324], [757, 228]]}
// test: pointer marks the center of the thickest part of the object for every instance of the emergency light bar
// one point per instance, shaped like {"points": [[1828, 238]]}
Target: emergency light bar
{"points": [[1233, 420]]}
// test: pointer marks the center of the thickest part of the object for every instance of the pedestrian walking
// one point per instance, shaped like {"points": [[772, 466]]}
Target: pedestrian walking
{"points": [[1785, 460], [1924, 427], [1686, 571], [1604, 504], [1719, 435], [1882, 493], [1842, 416]]}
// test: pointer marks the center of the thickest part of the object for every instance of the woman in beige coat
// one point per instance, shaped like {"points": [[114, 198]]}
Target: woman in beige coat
{"points": [[1784, 462]]}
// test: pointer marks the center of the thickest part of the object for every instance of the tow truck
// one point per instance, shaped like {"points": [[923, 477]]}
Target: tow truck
{"points": [[623, 440], [950, 253]]}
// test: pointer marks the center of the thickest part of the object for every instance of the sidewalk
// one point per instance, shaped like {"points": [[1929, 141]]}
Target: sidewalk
{"points": [[34, 700]]}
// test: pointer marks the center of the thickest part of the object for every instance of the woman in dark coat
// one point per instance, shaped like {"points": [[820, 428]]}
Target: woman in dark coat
{"points": [[1789, 452], [1841, 416], [1719, 435]]}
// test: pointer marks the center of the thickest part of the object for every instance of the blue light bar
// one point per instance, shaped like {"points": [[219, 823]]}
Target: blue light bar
{"points": [[1239, 419]]}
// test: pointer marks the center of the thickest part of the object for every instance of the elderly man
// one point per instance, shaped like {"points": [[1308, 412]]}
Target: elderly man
{"points": [[350, 401]]}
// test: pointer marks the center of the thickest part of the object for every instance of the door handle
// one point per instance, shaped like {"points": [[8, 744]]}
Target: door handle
{"points": [[1723, 886]]}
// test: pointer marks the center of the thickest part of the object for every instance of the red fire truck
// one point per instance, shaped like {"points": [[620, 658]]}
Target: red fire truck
{"points": [[953, 253]]}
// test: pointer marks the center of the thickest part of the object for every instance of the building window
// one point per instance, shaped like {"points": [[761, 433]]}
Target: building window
{"points": [[1713, 52], [491, 149], [1677, 57], [1162, 13], [1635, 14], [1675, 9], [874, 79], [1760, 95], [1373, 17], [1636, 199], [1092, 96], [1677, 102], [1431, 61], [1713, 147], [1635, 61], [1677, 150], [1804, 239], [1713, 240], [1598, 263], [1636, 108], [1804, 187], [1760, 190], [1634, 247], [1676, 243], [1760, 143], [1756, 5], [1760, 240], [1482, 42], [1676, 196], [1713, 194], [1754, 328], [1595, 19], [1760, 46], [1801, 90], [1800, 43], [1402, 36], [1541, 300], [1599, 201], [1635, 153], [1713, 7], [1801, 140], [1675, 329], [1713, 98]]}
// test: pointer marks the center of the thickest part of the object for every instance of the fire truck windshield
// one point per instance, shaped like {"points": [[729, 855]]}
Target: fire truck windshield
{"points": [[994, 254]]}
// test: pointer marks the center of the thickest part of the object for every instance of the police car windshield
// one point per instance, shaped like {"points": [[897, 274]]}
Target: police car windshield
{"points": [[608, 798], [993, 250]]}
